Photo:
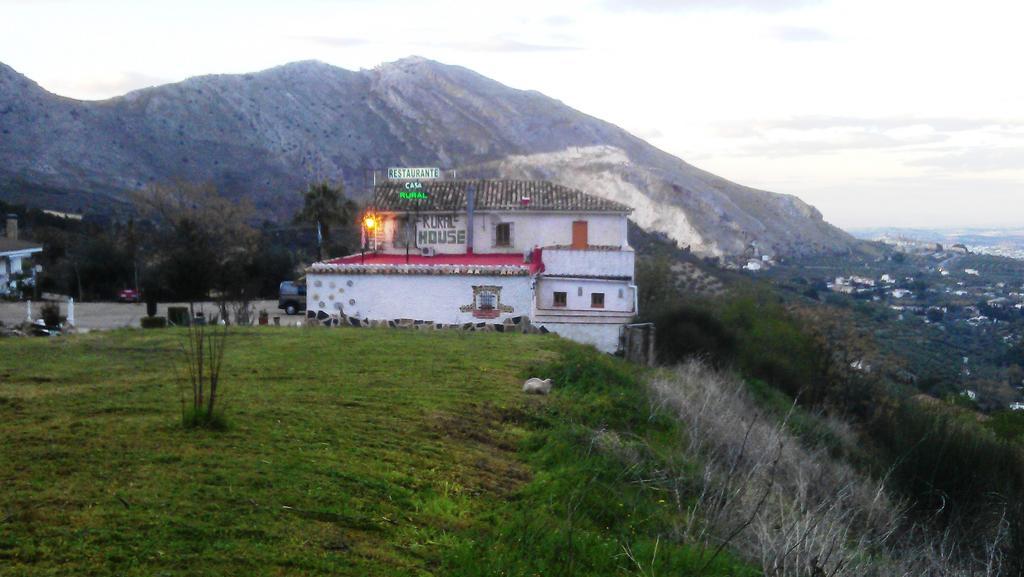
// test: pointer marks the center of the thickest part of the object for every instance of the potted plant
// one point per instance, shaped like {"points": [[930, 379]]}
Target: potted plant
{"points": [[264, 317]]}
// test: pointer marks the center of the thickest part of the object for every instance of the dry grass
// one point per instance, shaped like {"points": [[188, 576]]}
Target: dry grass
{"points": [[794, 509]]}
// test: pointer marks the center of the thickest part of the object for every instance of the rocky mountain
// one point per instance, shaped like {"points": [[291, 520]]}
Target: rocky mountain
{"points": [[265, 135]]}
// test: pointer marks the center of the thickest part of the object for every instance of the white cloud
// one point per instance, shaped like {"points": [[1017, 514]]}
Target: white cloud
{"points": [[977, 160], [802, 34], [337, 41], [687, 5]]}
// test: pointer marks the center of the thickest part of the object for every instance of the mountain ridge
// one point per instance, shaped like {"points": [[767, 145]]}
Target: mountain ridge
{"points": [[265, 135]]}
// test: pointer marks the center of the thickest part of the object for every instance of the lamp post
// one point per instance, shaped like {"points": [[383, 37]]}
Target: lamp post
{"points": [[369, 226]]}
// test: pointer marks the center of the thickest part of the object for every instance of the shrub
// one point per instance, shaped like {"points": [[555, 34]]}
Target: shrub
{"points": [[961, 476], [199, 418], [1007, 425], [203, 353], [689, 331], [51, 314], [153, 322]]}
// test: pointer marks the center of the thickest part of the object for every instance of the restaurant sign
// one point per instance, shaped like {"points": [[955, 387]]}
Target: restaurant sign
{"points": [[407, 173]]}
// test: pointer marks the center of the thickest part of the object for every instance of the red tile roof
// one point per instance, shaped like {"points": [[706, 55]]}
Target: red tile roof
{"points": [[495, 259], [461, 263]]}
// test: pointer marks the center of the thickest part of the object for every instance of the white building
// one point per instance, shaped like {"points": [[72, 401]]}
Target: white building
{"points": [[13, 252], [474, 253]]}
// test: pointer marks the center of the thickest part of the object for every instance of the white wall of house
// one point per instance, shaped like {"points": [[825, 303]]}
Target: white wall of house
{"points": [[618, 295], [436, 298], [589, 262], [439, 298], [604, 336], [528, 229]]}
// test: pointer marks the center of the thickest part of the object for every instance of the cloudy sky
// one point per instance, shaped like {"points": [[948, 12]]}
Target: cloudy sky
{"points": [[880, 113]]}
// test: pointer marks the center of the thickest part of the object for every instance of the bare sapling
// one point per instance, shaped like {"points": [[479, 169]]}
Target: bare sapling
{"points": [[203, 353]]}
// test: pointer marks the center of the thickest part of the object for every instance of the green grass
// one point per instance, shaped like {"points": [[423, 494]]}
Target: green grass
{"points": [[346, 452]]}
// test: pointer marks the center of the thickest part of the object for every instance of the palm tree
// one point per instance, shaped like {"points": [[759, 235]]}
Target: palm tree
{"points": [[324, 206]]}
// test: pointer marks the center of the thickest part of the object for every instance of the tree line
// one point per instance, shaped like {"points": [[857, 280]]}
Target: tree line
{"points": [[184, 241]]}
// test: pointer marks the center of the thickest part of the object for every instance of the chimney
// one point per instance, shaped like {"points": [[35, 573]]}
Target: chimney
{"points": [[12, 226], [470, 209]]}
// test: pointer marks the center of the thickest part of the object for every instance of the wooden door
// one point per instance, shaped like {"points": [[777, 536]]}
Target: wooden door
{"points": [[579, 234]]}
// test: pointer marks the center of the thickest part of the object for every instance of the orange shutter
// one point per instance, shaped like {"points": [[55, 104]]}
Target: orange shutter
{"points": [[579, 234]]}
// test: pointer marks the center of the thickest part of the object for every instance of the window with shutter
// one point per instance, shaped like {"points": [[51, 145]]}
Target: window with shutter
{"points": [[503, 235]]}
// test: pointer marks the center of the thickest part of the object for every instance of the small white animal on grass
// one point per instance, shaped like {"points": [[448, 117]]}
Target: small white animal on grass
{"points": [[537, 386]]}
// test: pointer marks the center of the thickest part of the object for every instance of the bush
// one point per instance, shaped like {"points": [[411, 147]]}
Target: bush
{"points": [[51, 314], [200, 418], [959, 474], [1008, 425], [153, 322], [689, 331]]}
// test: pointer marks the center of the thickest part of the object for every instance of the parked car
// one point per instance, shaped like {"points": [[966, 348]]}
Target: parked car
{"points": [[292, 297], [129, 296]]}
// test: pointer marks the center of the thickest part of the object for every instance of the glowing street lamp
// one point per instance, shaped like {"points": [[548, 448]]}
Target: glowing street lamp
{"points": [[369, 228]]}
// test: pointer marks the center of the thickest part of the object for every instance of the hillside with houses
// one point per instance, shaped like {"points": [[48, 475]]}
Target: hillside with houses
{"points": [[940, 314]]}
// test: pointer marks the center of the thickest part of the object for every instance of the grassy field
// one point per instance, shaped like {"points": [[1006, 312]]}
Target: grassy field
{"points": [[348, 452]]}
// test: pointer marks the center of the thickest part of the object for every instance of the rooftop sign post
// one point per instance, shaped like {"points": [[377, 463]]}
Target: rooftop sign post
{"points": [[413, 191]]}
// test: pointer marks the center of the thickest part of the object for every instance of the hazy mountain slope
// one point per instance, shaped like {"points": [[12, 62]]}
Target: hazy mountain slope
{"points": [[712, 217], [265, 135]]}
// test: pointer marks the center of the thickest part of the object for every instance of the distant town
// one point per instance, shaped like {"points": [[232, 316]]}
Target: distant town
{"points": [[951, 312]]}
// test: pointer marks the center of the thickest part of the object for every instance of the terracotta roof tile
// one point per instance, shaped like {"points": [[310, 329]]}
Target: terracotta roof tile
{"points": [[450, 196]]}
